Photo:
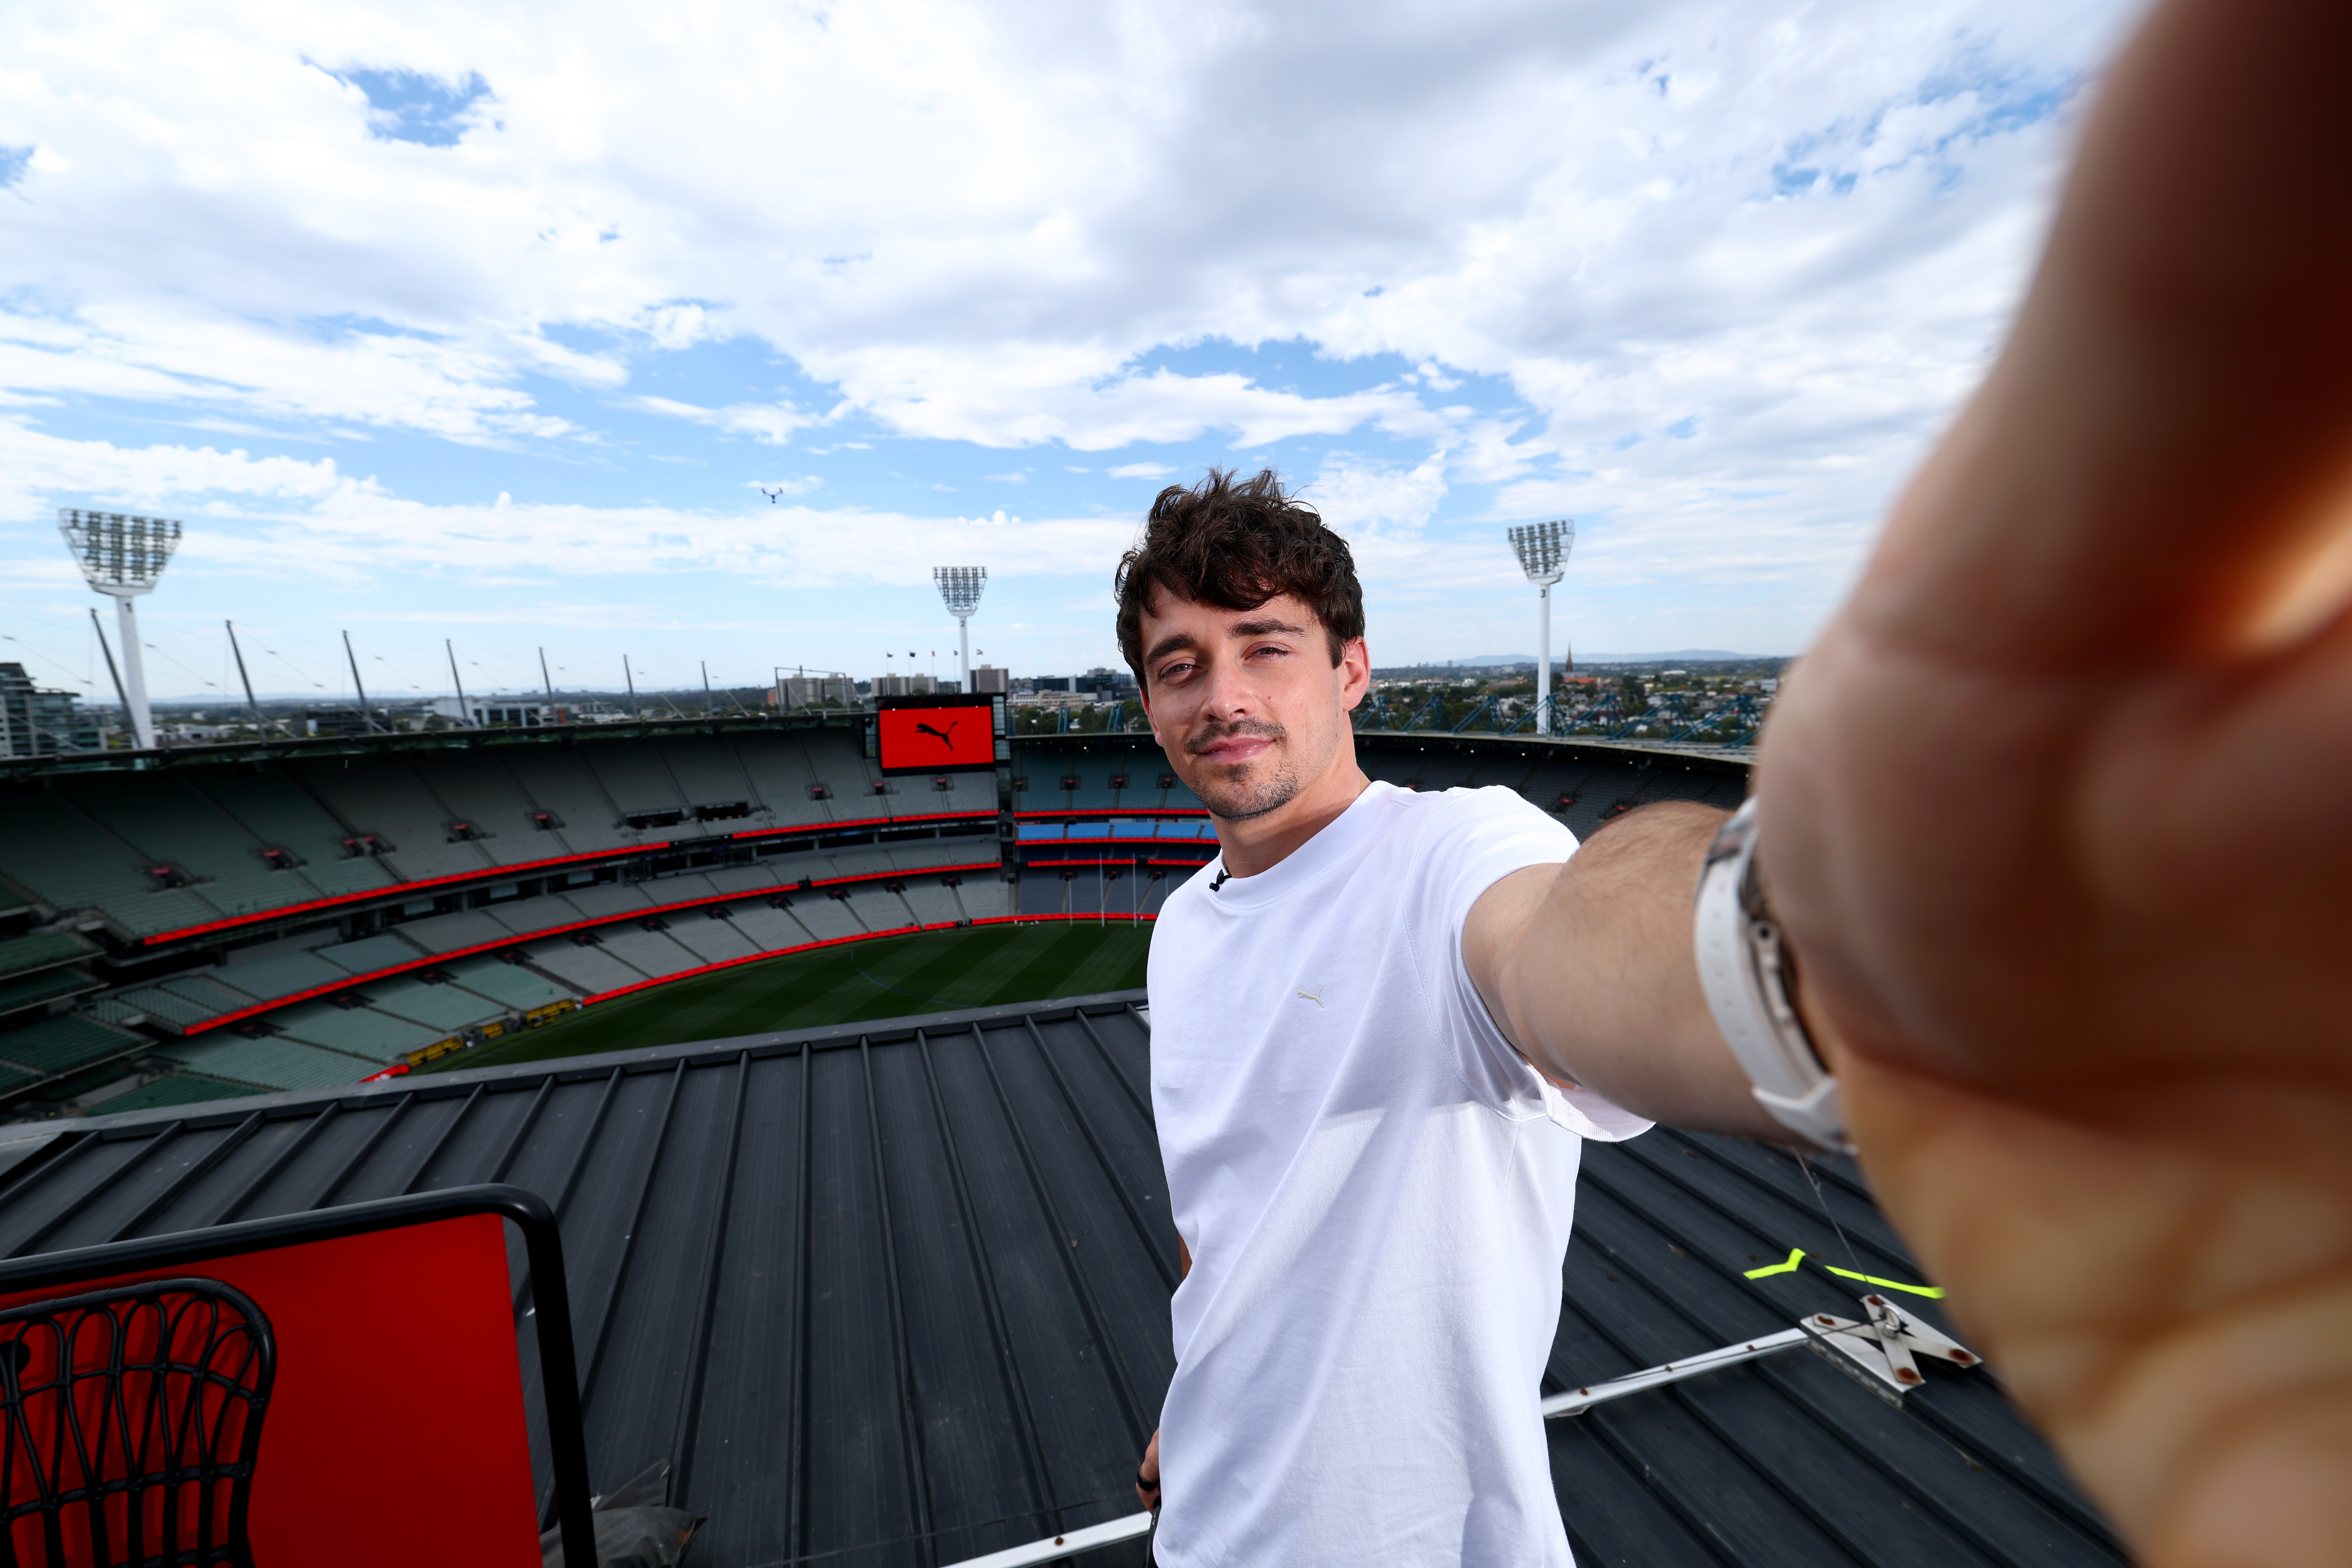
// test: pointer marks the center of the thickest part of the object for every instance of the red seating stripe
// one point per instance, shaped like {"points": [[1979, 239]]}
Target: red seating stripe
{"points": [[502, 873], [522, 936]]}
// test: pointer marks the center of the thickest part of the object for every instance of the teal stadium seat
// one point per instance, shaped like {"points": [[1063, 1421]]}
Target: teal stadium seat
{"points": [[64, 1044], [173, 825], [477, 789], [64, 859], [268, 1064], [589, 970], [509, 986], [280, 974], [711, 940], [179, 1089], [554, 780], [362, 1034], [35, 950], [278, 811], [444, 1009], [372, 953], [632, 775]]}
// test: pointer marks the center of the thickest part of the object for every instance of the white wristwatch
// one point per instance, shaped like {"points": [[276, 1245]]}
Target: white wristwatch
{"points": [[1742, 968]]}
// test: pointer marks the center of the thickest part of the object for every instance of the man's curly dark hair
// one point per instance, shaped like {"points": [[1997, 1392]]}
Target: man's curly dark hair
{"points": [[1235, 543]]}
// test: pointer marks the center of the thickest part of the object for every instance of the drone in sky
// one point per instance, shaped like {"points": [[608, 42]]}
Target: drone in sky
{"points": [[771, 492]]}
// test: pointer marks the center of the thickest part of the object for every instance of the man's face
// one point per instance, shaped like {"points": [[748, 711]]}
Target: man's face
{"points": [[1247, 702]]}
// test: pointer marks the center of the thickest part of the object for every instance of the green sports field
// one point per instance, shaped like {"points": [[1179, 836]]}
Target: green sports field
{"points": [[981, 967]]}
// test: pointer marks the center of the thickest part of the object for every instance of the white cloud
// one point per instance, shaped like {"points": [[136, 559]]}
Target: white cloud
{"points": [[964, 218], [1791, 228], [772, 424], [294, 519]]}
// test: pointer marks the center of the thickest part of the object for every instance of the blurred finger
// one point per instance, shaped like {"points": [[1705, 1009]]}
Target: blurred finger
{"points": [[2160, 463]]}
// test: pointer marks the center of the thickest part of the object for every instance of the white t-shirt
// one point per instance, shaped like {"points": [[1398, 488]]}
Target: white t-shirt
{"points": [[1376, 1191]]}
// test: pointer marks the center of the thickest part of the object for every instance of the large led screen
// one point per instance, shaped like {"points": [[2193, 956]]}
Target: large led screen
{"points": [[936, 735]]}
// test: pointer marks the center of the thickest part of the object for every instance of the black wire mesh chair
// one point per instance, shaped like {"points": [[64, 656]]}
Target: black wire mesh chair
{"points": [[134, 1418]]}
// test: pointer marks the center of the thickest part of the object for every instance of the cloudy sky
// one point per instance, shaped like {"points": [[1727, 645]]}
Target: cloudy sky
{"points": [[702, 334]]}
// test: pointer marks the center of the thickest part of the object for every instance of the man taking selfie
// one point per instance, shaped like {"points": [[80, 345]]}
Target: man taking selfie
{"points": [[2050, 823]]}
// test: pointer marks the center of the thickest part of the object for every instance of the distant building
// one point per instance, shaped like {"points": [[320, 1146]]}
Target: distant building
{"points": [[335, 721], [807, 690], [905, 685], [188, 733], [37, 722], [1107, 684], [522, 713], [988, 679]]}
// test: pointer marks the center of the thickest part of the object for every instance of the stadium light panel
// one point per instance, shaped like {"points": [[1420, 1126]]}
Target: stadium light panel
{"points": [[1542, 549], [124, 555], [961, 587]]}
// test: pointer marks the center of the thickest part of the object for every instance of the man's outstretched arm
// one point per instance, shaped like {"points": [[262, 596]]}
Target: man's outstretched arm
{"points": [[1588, 969], [2053, 813]]}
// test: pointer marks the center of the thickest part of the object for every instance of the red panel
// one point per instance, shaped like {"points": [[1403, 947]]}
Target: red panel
{"points": [[949, 737], [397, 1433]]}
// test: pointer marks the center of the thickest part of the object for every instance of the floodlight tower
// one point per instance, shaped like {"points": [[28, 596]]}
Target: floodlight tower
{"points": [[961, 587], [1542, 549], [122, 555]]}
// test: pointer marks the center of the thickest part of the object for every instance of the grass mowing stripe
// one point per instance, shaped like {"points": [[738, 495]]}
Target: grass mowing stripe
{"points": [[980, 976], [983, 966], [1055, 967]]}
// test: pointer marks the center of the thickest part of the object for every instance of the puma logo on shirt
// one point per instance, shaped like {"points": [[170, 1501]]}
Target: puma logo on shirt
{"points": [[1315, 996]]}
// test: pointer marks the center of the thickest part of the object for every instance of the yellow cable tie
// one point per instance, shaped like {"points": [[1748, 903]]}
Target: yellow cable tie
{"points": [[1889, 1284], [1796, 1256]]}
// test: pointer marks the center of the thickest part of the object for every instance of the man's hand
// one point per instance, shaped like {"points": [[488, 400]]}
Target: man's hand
{"points": [[1147, 1475], [2056, 813]]}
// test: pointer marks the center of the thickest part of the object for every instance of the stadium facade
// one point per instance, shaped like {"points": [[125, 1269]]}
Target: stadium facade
{"points": [[216, 921]]}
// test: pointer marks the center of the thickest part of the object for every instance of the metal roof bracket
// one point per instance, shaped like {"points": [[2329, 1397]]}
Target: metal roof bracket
{"points": [[1877, 1353]]}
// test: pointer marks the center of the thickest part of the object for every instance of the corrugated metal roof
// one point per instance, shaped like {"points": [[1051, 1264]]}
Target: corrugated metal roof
{"points": [[897, 1294]]}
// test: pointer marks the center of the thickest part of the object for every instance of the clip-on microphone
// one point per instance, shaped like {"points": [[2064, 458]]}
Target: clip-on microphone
{"points": [[1219, 879]]}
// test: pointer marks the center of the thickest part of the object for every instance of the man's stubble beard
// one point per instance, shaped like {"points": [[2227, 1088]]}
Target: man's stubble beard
{"points": [[1237, 799]]}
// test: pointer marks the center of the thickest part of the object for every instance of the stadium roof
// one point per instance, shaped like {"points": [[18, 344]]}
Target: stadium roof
{"points": [[897, 1293]]}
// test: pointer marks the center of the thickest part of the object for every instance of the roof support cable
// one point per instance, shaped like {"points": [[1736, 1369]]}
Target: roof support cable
{"points": [[1824, 1199]]}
